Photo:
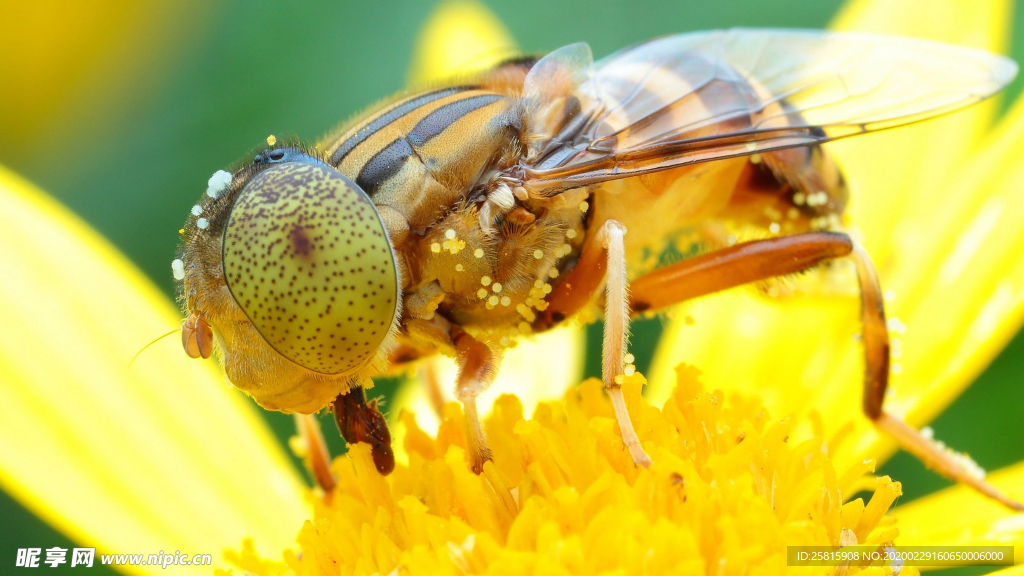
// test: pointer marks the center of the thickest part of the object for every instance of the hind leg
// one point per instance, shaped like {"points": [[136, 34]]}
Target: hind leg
{"points": [[762, 259]]}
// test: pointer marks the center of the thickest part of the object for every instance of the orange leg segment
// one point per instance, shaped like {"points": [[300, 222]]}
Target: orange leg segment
{"points": [[763, 259]]}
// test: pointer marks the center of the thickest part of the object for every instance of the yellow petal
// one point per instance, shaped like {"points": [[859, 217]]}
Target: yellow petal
{"points": [[159, 456], [799, 351], [897, 177], [976, 521], [459, 38], [971, 301]]}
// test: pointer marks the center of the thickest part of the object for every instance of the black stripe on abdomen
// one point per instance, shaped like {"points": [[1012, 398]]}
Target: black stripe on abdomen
{"points": [[388, 117], [439, 120], [383, 165]]}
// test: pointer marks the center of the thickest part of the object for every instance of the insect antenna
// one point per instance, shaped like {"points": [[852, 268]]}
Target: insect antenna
{"points": [[155, 340]]}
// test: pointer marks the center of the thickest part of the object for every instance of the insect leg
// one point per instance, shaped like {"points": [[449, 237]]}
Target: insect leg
{"points": [[431, 380], [876, 376], [762, 259], [603, 260], [478, 365], [317, 459]]}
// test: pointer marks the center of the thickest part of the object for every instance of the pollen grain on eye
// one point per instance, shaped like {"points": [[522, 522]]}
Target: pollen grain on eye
{"points": [[220, 180]]}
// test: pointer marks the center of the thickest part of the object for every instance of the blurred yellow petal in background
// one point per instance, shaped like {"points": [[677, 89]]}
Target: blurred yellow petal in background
{"points": [[158, 456], [459, 38], [66, 59]]}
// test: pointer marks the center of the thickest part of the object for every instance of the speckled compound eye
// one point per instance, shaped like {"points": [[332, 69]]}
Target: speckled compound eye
{"points": [[308, 260]]}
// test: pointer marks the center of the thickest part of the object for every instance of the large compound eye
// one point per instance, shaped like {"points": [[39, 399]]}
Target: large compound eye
{"points": [[308, 260]]}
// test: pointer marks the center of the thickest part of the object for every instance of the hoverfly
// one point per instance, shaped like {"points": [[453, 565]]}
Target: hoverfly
{"points": [[457, 219]]}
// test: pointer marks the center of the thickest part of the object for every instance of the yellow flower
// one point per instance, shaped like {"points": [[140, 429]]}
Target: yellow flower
{"points": [[729, 490], [164, 456]]}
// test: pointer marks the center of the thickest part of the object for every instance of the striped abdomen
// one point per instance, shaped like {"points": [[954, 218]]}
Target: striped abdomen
{"points": [[421, 154]]}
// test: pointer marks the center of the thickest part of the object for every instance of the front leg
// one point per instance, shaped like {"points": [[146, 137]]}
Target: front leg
{"points": [[478, 365], [603, 260]]}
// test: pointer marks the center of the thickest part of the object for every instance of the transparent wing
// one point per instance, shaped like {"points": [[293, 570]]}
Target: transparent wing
{"points": [[710, 95]]}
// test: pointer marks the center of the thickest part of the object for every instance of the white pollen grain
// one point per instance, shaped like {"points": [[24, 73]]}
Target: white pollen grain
{"points": [[459, 268], [449, 234], [203, 223], [774, 228], [538, 254], [220, 180], [178, 269], [505, 300], [479, 253], [197, 210], [496, 287], [485, 280]]}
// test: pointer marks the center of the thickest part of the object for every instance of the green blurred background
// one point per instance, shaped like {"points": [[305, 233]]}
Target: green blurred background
{"points": [[122, 110]]}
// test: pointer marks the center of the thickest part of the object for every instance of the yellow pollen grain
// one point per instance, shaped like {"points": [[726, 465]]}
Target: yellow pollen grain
{"points": [[505, 300], [479, 253], [570, 233], [584, 206], [538, 254], [496, 287], [547, 288], [485, 280], [524, 328], [435, 248], [449, 234], [447, 244], [553, 273], [493, 300], [271, 140], [482, 293], [181, 230]]}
